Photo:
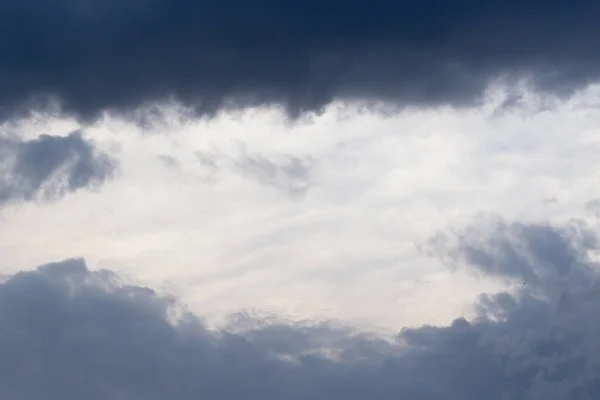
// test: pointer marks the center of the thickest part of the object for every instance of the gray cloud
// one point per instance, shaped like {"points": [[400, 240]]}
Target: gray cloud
{"points": [[593, 207], [100, 55], [544, 335], [290, 174], [48, 167], [530, 252], [67, 332]]}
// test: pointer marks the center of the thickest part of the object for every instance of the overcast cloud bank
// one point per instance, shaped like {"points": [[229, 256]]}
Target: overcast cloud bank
{"points": [[97, 55], [68, 332]]}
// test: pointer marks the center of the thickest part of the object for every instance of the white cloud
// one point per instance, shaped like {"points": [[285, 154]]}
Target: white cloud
{"points": [[226, 240]]}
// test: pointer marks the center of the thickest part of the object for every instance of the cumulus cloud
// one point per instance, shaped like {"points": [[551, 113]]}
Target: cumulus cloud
{"points": [[544, 335], [48, 167], [98, 55], [68, 332]]}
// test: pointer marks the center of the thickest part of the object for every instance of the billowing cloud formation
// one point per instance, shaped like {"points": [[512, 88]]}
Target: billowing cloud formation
{"points": [[67, 332], [49, 167], [100, 55]]}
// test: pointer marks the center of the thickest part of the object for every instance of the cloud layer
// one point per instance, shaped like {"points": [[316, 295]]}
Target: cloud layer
{"points": [[97, 56], [287, 173], [68, 332], [48, 167]]}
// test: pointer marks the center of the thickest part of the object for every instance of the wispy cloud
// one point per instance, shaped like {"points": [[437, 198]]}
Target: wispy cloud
{"points": [[290, 174]]}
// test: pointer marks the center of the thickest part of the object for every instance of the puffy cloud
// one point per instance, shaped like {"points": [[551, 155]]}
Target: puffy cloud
{"points": [[99, 55], [68, 332], [544, 334], [48, 167]]}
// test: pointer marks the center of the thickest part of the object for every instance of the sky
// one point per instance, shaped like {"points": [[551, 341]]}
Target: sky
{"points": [[299, 200]]}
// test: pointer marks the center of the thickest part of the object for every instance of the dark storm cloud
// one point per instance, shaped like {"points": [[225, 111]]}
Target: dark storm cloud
{"points": [[69, 333], [49, 167], [96, 55]]}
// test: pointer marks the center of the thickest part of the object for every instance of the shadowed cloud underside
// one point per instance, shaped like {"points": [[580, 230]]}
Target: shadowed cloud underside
{"points": [[68, 332], [97, 55]]}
